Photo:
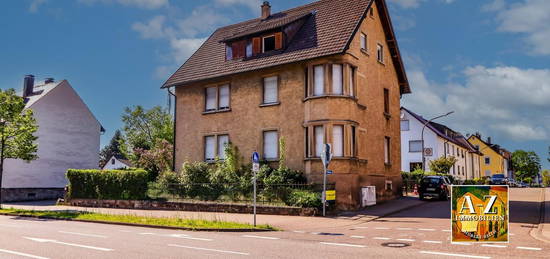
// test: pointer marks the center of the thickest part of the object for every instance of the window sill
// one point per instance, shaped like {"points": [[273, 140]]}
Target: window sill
{"points": [[330, 96], [216, 111], [270, 104], [365, 51], [387, 115], [387, 164], [381, 62]]}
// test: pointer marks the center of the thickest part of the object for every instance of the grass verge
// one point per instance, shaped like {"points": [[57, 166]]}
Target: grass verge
{"points": [[193, 224]]}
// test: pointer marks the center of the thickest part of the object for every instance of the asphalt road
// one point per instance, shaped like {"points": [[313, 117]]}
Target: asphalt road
{"points": [[424, 232]]}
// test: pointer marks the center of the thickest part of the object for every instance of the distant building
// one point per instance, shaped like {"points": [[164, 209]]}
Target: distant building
{"points": [[495, 160], [68, 137], [117, 162], [439, 141]]}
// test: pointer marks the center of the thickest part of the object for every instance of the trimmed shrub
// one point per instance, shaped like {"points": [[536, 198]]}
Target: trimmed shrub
{"points": [[108, 184], [304, 199]]}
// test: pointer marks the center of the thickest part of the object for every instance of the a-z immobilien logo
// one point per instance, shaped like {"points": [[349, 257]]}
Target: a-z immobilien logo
{"points": [[479, 213]]}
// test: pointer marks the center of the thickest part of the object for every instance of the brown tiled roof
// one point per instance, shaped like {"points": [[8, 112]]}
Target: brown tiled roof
{"points": [[327, 31]]}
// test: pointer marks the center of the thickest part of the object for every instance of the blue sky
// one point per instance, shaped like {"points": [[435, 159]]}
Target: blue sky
{"points": [[486, 60]]}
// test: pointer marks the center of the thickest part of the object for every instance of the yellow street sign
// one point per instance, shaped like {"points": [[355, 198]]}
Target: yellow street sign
{"points": [[331, 195]]}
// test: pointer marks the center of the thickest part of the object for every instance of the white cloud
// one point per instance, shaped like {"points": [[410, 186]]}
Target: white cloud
{"points": [[407, 3], [530, 18], [253, 5], [145, 4], [507, 102], [202, 19], [153, 29], [184, 48], [35, 5]]}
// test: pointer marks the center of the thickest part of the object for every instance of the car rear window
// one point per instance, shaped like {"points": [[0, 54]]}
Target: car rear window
{"points": [[430, 180]]}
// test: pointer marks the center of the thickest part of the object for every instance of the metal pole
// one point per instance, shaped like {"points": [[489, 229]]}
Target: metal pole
{"points": [[324, 189], [422, 137], [254, 198]]}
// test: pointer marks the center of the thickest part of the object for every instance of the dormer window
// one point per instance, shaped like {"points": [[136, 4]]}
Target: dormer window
{"points": [[268, 43]]}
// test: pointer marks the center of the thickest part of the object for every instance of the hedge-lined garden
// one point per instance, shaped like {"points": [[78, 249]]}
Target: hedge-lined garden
{"points": [[108, 184]]}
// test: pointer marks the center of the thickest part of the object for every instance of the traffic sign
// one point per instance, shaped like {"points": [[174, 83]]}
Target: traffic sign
{"points": [[255, 167], [255, 157], [330, 195], [329, 172], [326, 155]]}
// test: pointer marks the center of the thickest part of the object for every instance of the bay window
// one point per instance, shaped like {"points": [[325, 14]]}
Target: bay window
{"points": [[337, 82], [319, 132], [319, 80], [338, 140]]}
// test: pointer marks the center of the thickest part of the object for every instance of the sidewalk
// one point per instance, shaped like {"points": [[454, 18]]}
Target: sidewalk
{"points": [[544, 226], [282, 222]]}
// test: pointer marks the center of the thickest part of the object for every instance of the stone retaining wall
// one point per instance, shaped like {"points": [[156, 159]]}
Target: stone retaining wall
{"points": [[188, 206], [31, 194]]}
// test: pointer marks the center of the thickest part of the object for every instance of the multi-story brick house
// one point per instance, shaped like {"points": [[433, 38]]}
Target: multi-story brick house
{"points": [[326, 72]]}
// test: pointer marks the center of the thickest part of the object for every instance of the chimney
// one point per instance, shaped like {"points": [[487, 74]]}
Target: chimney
{"points": [[266, 10], [489, 140], [49, 80], [28, 85]]}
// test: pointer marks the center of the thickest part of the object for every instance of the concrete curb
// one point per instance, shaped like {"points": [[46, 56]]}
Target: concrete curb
{"points": [[141, 225], [536, 233], [367, 218]]}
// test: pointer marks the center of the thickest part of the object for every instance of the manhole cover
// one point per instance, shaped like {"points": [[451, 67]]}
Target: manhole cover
{"points": [[395, 244]]}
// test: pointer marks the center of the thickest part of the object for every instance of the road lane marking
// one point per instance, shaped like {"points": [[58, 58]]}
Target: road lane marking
{"points": [[187, 237], [381, 228], [405, 239], [381, 238], [497, 246], [357, 236], [261, 237], [41, 240], [461, 244], [341, 244], [404, 229], [22, 254], [361, 227], [426, 229], [82, 234], [298, 231], [314, 233], [529, 248], [446, 230], [208, 249], [432, 242], [457, 255]]}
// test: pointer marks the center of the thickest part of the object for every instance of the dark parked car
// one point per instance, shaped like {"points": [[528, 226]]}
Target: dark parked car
{"points": [[434, 186], [498, 179]]}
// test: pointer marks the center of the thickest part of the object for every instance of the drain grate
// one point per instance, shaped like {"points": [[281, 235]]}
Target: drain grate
{"points": [[395, 244]]}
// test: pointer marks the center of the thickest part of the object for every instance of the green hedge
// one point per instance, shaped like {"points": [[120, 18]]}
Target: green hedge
{"points": [[108, 184]]}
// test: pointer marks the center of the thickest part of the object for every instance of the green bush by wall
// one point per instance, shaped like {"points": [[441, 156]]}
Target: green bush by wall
{"points": [[108, 184]]}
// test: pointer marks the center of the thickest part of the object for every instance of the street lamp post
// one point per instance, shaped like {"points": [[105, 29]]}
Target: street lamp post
{"points": [[422, 137], [2, 125]]}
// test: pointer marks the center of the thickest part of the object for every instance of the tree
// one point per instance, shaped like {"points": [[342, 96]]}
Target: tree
{"points": [[442, 165], [546, 178], [526, 164], [115, 148], [548, 154], [145, 128], [17, 128]]}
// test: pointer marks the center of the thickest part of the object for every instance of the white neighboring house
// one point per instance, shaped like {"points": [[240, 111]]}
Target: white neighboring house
{"points": [[116, 162], [68, 138], [439, 141]]}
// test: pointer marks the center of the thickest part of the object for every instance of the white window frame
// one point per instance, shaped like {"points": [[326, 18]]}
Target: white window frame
{"points": [[380, 53], [338, 140], [218, 148], [275, 148], [418, 142], [318, 81], [217, 102], [265, 84], [337, 82], [352, 71], [263, 42], [213, 142], [363, 41], [319, 139]]}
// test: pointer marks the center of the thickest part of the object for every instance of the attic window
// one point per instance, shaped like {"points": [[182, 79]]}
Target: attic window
{"points": [[268, 43]]}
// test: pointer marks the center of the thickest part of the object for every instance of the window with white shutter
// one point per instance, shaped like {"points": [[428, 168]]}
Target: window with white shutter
{"points": [[224, 97], [211, 93], [338, 140], [222, 141], [271, 144], [319, 80], [270, 90], [209, 148], [337, 82], [380, 53], [319, 140]]}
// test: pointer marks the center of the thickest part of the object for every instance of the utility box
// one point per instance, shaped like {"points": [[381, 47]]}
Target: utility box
{"points": [[368, 196]]}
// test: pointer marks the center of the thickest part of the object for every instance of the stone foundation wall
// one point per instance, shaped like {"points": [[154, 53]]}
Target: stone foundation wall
{"points": [[185, 206], [31, 194]]}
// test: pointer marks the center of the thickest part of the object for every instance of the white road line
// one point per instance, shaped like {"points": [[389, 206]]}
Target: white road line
{"points": [[314, 233], [22, 254], [497, 246], [357, 236], [82, 234], [341, 244], [361, 227], [432, 242], [381, 228], [461, 244], [405, 239], [381, 238], [261, 237], [208, 249], [529, 248], [125, 231], [457, 255], [404, 229], [41, 240], [511, 234], [446, 230], [298, 231], [426, 229], [188, 237]]}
